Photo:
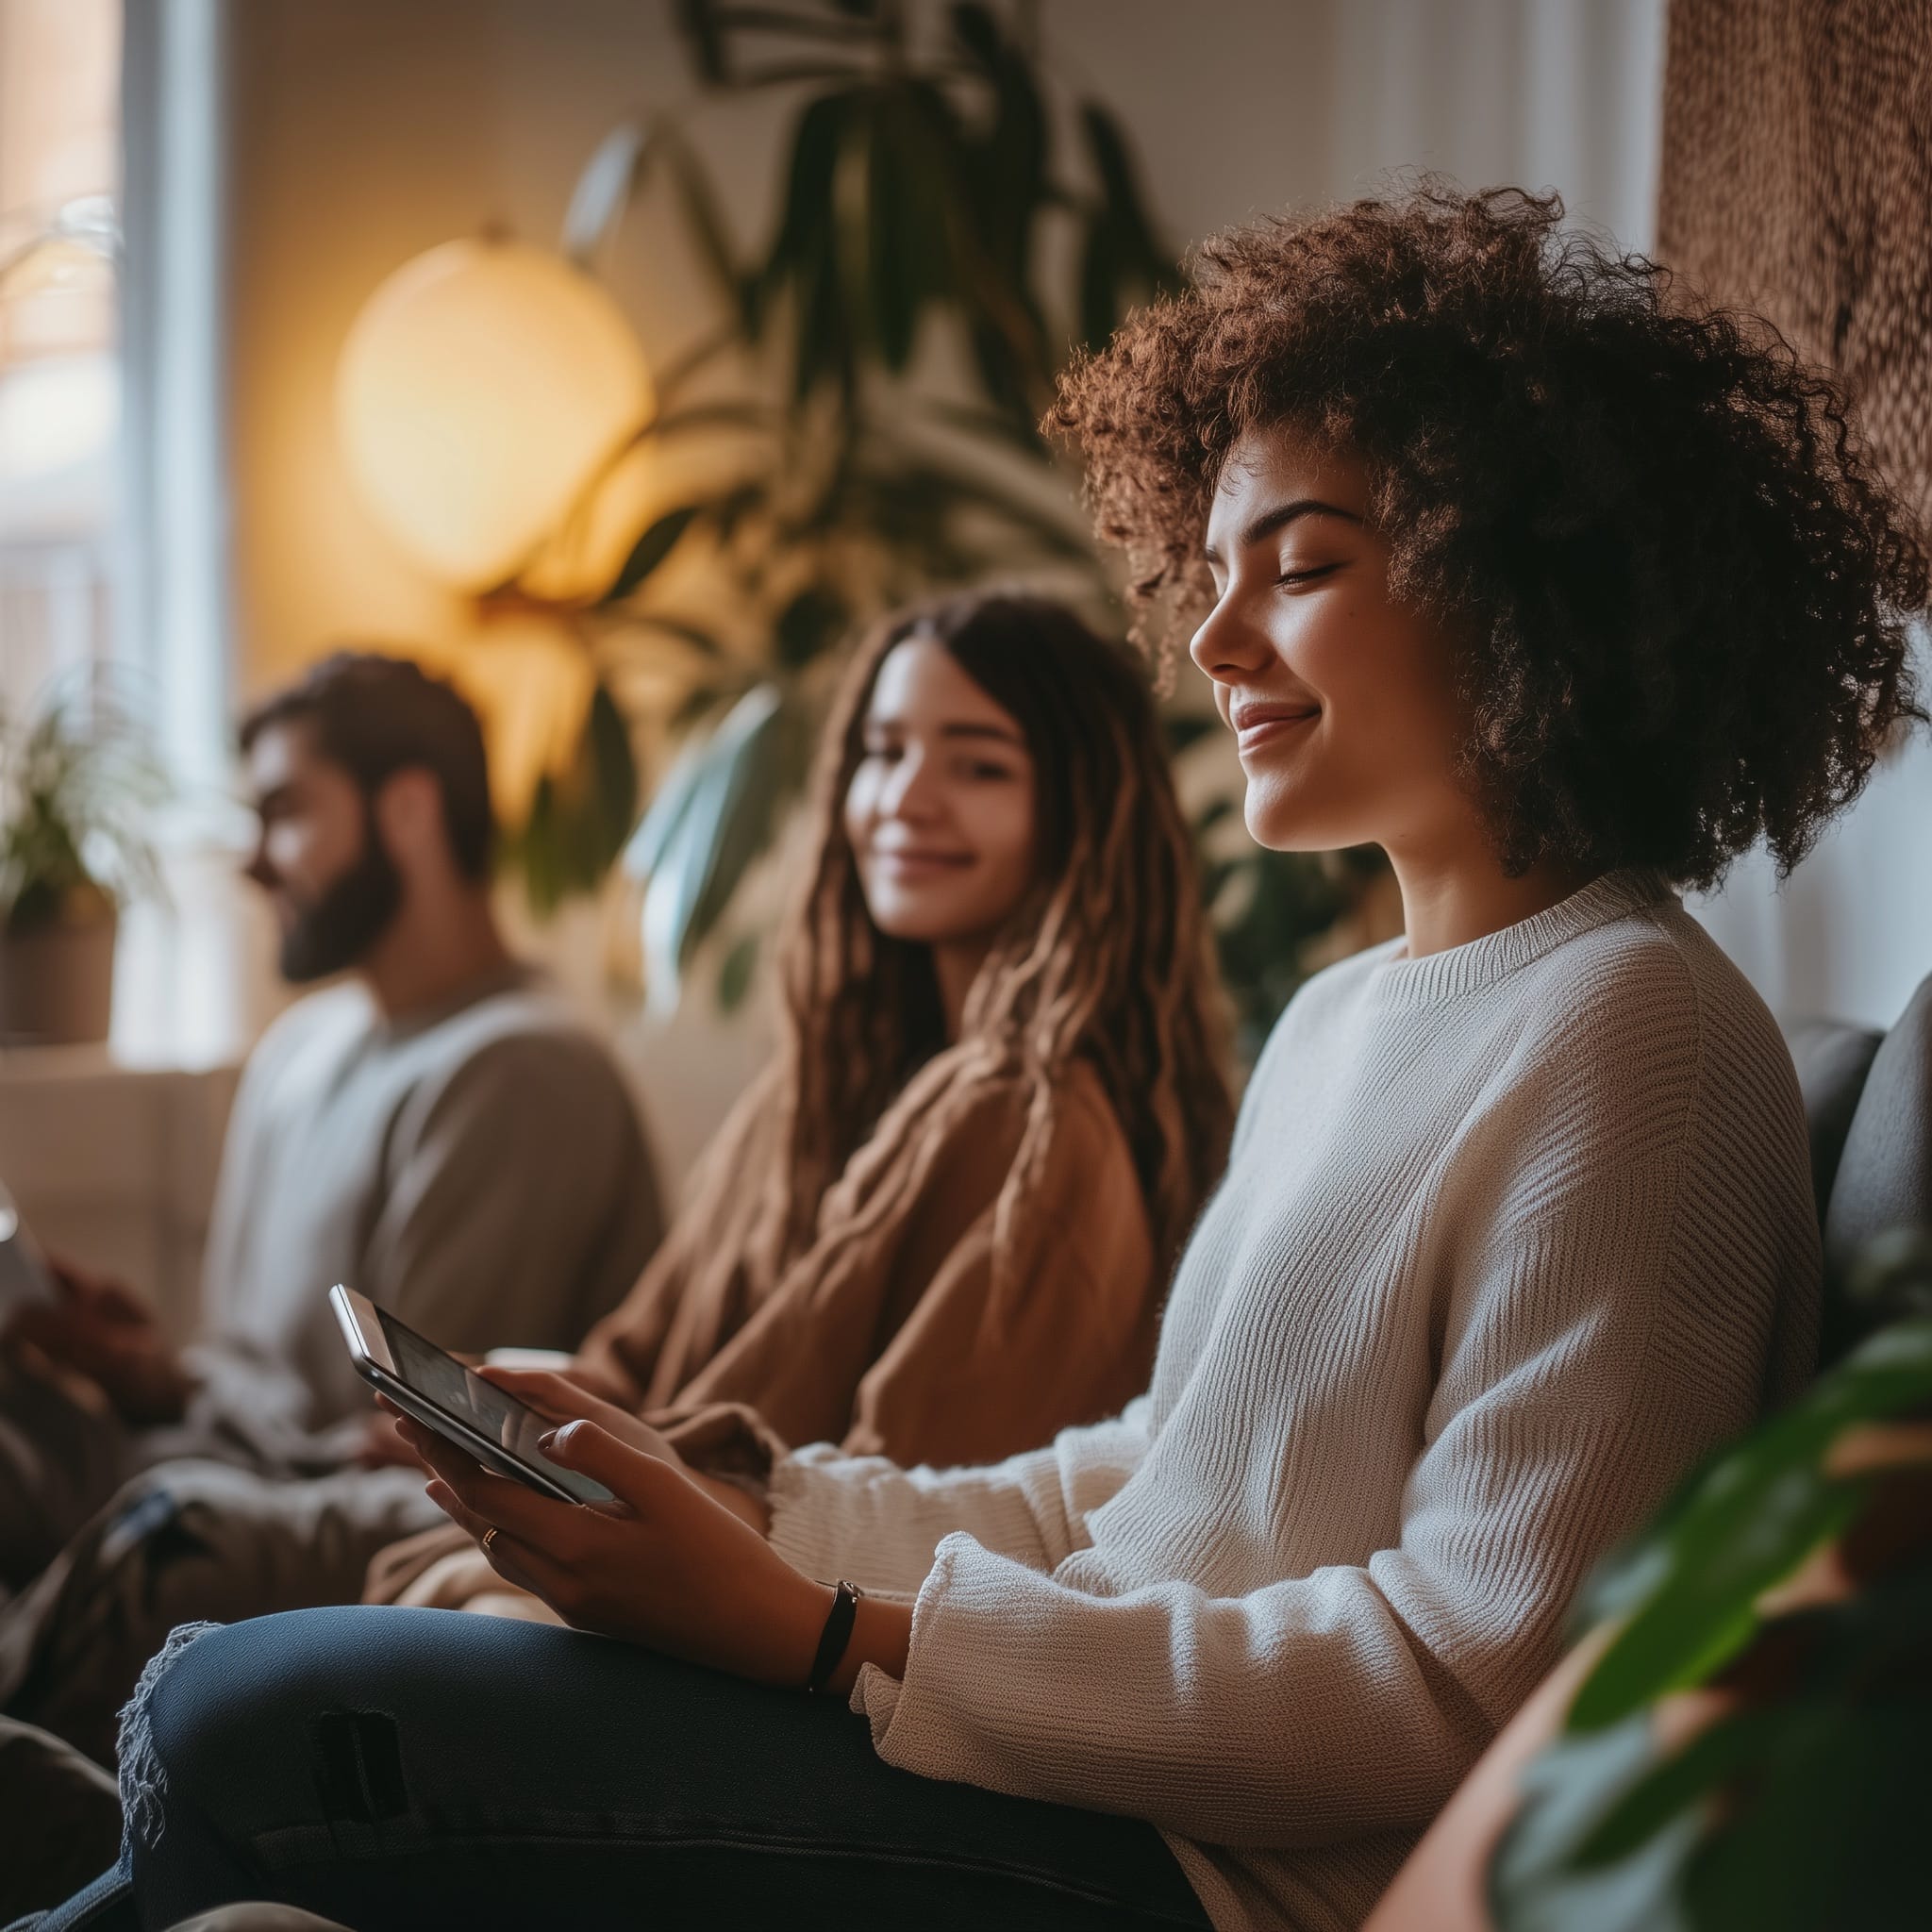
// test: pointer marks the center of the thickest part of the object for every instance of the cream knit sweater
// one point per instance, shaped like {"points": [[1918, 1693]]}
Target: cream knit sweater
{"points": [[1510, 1237]]}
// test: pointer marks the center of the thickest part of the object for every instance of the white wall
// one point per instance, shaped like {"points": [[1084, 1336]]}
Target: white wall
{"points": [[1849, 935]]}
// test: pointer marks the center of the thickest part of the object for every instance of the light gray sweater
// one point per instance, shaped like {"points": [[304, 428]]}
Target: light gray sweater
{"points": [[1511, 1235], [479, 1169]]}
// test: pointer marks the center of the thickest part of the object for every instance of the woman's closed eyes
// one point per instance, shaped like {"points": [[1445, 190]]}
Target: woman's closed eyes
{"points": [[1307, 574]]}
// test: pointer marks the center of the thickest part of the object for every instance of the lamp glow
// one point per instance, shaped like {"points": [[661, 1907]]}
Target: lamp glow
{"points": [[479, 391]]}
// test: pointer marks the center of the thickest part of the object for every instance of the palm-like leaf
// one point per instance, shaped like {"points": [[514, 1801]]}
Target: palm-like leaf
{"points": [[713, 816], [921, 175]]}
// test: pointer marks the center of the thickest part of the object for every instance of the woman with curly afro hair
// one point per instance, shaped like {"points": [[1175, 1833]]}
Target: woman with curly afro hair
{"points": [[1564, 590]]}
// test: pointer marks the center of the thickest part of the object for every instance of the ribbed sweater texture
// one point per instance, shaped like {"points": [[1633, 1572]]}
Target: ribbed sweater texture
{"points": [[1512, 1235]]}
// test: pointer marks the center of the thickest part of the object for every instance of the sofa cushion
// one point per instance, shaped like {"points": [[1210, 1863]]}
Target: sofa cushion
{"points": [[1884, 1179]]}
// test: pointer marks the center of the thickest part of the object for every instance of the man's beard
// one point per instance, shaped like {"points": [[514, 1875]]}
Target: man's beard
{"points": [[352, 914]]}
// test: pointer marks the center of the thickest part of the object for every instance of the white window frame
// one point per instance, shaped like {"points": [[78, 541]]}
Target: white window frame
{"points": [[171, 579]]}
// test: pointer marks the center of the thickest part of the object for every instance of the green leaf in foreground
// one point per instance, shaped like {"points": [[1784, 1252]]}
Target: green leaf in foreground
{"points": [[1800, 1797], [1690, 1588], [1536, 1883], [1800, 1813]]}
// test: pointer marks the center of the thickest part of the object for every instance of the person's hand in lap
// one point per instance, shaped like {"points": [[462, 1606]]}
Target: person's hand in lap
{"points": [[104, 1331]]}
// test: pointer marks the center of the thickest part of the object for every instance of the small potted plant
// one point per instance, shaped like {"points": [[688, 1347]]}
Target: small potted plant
{"points": [[76, 782]]}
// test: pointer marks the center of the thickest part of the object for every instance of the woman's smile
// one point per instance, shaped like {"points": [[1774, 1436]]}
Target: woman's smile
{"points": [[1257, 722], [920, 861]]}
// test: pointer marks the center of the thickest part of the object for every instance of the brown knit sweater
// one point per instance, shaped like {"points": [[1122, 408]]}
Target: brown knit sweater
{"points": [[888, 1334], [1797, 181]]}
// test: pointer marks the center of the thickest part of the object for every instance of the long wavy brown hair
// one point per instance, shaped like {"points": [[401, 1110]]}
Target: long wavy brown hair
{"points": [[1106, 960]]}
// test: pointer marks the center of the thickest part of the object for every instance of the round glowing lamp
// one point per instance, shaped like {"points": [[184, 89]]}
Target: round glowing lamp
{"points": [[480, 390]]}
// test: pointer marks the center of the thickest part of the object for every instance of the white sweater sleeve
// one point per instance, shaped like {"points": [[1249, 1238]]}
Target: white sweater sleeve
{"points": [[877, 1524], [1603, 1326]]}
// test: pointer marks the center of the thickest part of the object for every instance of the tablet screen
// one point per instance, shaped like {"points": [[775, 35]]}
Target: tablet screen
{"points": [[512, 1426]]}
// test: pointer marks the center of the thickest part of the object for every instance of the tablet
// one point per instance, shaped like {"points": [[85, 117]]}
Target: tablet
{"points": [[439, 1392], [25, 1275]]}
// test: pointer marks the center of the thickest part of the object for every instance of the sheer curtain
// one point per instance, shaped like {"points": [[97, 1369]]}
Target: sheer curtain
{"points": [[1536, 93], [172, 556]]}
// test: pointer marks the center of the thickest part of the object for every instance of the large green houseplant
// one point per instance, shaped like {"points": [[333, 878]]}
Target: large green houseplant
{"points": [[954, 223], [76, 785]]}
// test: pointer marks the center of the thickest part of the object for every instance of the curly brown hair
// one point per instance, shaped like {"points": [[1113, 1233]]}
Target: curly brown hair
{"points": [[1678, 588]]}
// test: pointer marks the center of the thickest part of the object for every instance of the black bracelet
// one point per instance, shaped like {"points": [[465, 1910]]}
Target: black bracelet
{"points": [[837, 1634]]}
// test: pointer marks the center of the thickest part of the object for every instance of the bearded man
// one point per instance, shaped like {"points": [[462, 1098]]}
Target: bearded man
{"points": [[435, 1131]]}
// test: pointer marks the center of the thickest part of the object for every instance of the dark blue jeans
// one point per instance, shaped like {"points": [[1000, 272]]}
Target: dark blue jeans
{"points": [[415, 1767]]}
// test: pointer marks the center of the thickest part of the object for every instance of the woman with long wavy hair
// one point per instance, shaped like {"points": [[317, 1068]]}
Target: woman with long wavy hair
{"points": [[938, 1227], [999, 961]]}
